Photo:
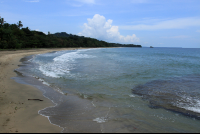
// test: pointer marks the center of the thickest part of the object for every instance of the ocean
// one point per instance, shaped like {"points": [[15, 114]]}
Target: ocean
{"points": [[118, 89]]}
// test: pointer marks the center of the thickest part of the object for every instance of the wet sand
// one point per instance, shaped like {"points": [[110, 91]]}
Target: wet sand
{"points": [[17, 113]]}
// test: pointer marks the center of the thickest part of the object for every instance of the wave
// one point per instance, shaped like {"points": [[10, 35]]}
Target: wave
{"points": [[61, 64]]}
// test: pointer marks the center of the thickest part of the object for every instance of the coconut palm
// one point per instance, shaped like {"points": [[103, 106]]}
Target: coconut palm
{"points": [[19, 24], [2, 21]]}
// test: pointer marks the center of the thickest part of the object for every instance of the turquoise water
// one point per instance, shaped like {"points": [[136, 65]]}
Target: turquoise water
{"points": [[121, 89]]}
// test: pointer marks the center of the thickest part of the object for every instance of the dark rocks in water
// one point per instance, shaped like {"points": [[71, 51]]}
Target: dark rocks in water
{"points": [[176, 94]]}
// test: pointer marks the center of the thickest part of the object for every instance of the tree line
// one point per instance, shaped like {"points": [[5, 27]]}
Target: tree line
{"points": [[13, 36]]}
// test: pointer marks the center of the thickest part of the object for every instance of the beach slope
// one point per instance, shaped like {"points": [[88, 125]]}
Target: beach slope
{"points": [[17, 113]]}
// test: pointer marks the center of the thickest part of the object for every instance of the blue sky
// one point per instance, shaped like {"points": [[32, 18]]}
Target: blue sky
{"points": [[159, 23]]}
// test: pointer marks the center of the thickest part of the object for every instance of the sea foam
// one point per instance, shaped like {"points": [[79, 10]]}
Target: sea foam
{"points": [[61, 65], [193, 104]]}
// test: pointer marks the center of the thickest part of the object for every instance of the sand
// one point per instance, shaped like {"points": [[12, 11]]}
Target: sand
{"points": [[17, 113]]}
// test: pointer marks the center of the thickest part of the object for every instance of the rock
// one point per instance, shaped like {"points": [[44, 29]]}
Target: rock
{"points": [[175, 94]]}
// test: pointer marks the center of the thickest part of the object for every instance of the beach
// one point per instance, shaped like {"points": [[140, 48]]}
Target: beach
{"points": [[17, 113], [99, 90]]}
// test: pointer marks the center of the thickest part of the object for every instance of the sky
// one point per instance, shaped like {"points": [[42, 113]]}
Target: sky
{"points": [[157, 23]]}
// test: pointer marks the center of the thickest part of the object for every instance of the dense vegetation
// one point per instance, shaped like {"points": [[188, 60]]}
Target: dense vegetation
{"points": [[13, 36]]}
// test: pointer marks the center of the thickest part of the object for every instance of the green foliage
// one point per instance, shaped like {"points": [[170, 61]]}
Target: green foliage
{"points": [[13, 36]]}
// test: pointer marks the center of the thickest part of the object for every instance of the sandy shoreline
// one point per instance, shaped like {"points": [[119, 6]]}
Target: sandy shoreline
{"points": [[17, 113]]}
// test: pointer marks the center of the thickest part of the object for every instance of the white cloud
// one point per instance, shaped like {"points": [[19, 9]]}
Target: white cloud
{"points": [[41, 31], [168, 24], [99, 28], [45, 33], [87, 1]]}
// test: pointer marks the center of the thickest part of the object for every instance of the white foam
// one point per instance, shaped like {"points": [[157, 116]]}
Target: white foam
{"points": [[132, 95], [44, 82], [50, 71], [85, 96], [195, 107], [93, 104], [194, 104], [62, 64], [71, 56], [100, 119], [197, 110]]}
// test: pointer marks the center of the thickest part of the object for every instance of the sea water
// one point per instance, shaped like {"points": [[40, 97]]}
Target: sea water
{"points": [[119, 89]]}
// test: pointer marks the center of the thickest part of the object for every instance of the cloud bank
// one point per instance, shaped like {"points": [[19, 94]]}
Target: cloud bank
{"points": [[100, 28], [179, 23]]}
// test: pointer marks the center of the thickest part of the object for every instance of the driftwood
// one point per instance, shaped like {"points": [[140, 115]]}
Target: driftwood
{"points": [[35, 99]]}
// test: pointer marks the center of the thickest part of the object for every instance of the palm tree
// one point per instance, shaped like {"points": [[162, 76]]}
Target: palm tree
{"points": [[19, 24], [2, 21]]}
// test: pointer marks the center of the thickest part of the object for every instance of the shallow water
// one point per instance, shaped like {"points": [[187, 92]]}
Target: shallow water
{"points": [[119, 89]]}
